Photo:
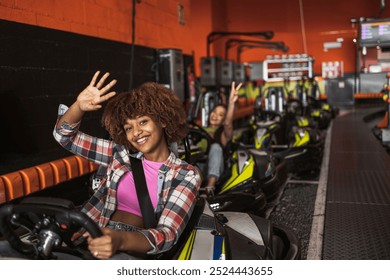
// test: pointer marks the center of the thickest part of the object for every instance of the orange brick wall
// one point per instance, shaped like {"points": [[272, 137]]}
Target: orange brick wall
{"points": [[156, 20], [157, 23], [324, 21]]}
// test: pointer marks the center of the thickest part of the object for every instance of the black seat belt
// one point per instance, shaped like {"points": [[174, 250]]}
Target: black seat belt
{"points": [[142, 193]]}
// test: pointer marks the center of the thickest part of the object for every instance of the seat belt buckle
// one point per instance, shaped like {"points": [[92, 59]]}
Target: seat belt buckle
{"points": [[96, 183]]}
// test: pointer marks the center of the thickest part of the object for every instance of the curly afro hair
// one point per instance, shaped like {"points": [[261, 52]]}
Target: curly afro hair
{"points": [[150, 99]]}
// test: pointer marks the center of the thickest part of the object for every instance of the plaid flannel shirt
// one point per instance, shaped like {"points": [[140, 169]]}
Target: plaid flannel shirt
{"points": [[178, 184]]}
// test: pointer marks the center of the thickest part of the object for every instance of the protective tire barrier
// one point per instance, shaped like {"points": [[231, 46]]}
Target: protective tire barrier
{"points": [[32, 179]]}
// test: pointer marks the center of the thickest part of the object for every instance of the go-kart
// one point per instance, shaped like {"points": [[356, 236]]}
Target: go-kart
{"points": [[267, 171], [315, 114], [304, 151], [301, 148], [235, 236], [381, 129], [48, 224], [250, 180], [308, 105]]}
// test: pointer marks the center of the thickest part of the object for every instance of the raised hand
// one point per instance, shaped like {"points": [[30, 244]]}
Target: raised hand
{"points": [[234, 92], [94, 94]]}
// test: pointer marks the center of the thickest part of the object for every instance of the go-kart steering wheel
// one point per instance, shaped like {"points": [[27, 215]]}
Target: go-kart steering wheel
{"points": [[197, 133], [268, 115], [51, 219]]}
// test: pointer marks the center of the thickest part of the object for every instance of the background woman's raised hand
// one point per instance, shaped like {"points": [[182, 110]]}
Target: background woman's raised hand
{"points": [[234, 92], [95, 93]]}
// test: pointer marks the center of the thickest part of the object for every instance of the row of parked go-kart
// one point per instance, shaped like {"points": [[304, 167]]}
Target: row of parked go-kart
{"points": [[282, 137]]}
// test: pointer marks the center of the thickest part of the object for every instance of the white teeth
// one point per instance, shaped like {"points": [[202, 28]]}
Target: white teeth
{"points": [[141, 140]]}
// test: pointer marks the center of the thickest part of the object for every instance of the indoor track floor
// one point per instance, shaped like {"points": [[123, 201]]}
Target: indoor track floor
{"points": [[343, 211]]}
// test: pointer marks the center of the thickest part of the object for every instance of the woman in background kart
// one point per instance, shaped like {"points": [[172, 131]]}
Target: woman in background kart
{"points": [[142, 123], [220, 129]]}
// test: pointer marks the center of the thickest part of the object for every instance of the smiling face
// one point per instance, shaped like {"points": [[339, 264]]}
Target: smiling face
{"points": [[147, 136], [217, 116]]}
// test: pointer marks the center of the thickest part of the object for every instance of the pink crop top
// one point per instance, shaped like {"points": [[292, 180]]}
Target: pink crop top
{"points": [[126, 193]]}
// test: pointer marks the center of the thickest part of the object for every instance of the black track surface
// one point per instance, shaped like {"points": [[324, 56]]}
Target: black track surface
{"points": [[295, 210], [357, 218]]}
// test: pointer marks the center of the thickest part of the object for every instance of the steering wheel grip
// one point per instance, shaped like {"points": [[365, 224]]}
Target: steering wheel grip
{"points": [[85, 222], [195, 128]]}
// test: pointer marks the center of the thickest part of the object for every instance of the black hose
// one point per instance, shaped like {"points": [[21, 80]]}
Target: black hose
{"points": [[132, 45]]}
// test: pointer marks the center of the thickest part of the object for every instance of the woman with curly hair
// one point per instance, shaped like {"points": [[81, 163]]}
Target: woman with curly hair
{"points": [[142, 123]]}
